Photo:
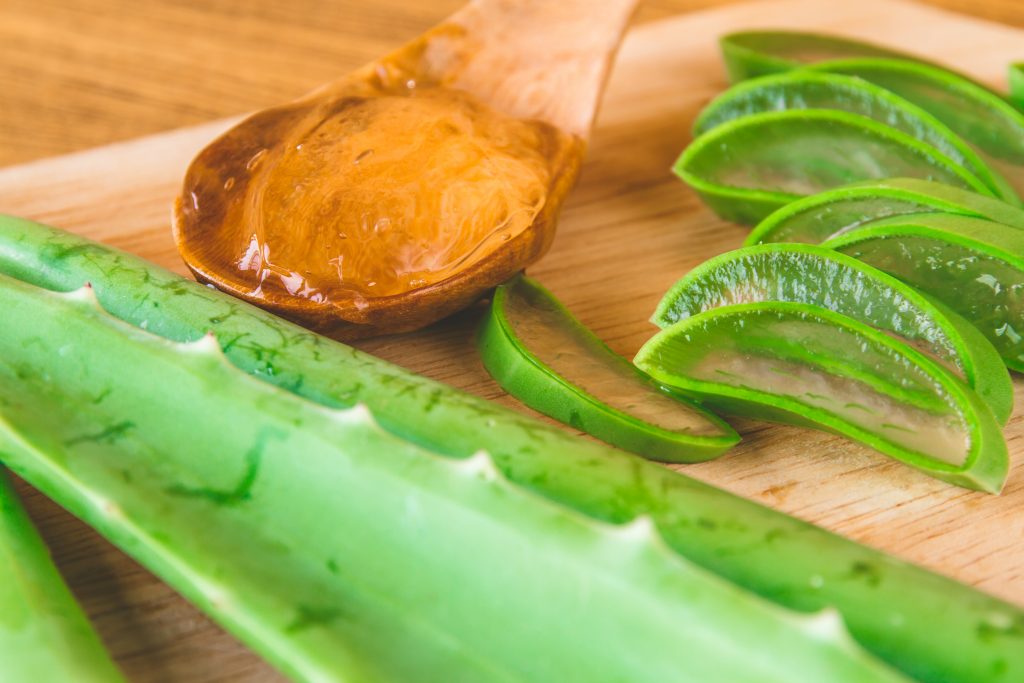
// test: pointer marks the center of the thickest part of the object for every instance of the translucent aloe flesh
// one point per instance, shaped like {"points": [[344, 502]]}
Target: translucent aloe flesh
{"points": [[342, 552], [816, 218], [978, 115], [539, 353], [808, 274], [747, 168], [813, 90], [44, 635], [972, 265], [806, 365], [934, 629]]}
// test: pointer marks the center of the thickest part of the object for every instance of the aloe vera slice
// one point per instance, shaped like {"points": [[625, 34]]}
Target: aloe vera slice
{"points": [[542, 355], [981, 117], [972, 265], [44, 635], [806, 365], [342, 552], [750, 54], [747, 168], [1016, 79], [813, 90], [935, 629], [816, 218], [815, 275]]}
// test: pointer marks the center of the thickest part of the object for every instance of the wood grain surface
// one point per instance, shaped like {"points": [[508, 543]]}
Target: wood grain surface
{"points": [[628, 232]]}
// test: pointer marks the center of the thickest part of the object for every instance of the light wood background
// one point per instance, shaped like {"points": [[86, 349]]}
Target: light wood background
{"points": [[79, 74]]}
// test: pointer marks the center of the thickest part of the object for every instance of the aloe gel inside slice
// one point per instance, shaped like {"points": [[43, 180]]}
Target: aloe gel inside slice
{"points": [[808, 361], [805, 152], [541, 326]]}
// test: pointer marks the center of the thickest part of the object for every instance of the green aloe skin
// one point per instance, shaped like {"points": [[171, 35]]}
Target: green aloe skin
{"points": [[1016, 78], [932, 628], [972, 265], [816, 218], [749, 167], [808, 274], [539, 353], [812, 90], [806, 365], [44, 635], [326, 542]]}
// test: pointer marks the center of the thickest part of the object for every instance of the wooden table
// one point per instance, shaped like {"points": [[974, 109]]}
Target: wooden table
{"points": [[80, 74]]}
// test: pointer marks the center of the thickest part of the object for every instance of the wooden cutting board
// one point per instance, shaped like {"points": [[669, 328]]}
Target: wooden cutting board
{"points": [[628, 232]]}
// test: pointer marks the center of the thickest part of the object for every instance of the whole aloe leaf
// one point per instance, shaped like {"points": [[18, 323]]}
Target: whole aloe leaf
{"points": [[44, 635], [933, 628], [342, 552]]}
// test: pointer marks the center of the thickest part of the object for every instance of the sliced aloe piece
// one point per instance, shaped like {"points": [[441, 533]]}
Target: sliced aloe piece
{"points": [[814, 90], [935, 629], [539, 353], [1016, 78], [749, 54], [816, 218], [804, 273], [747, 168], [806, 365], [44, 635], [978, 115], [344, 553], [972, 265]]}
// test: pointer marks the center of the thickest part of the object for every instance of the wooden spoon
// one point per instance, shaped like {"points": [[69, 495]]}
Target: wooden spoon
{"points": [[404, 191]]}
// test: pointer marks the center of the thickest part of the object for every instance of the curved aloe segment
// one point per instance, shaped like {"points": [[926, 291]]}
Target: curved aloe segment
{"points": [[539, 353], [342, 552], [808, 274], [812, 90], [1016, 79], [972, 265], [747, 168], [806, 365], [937, 630], [816, 218], [749, 54], [981, 117], [44, 635]]}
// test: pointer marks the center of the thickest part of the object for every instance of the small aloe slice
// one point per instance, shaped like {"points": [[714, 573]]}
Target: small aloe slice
{"points": [[972, 265], [44, 635], [750, 54], [806, 365], [978, 115], [935, 629], [816, 218], [342, 552], [747, 168], [539, 353], [1016, 78], [814, 90], [815, 275]]}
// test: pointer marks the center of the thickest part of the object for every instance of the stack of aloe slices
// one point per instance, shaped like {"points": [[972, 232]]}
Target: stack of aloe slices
{"points": [[322, 533], [814, 112]]}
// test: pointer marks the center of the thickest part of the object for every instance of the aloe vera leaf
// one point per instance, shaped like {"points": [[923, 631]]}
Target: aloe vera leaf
{"points": [[972, 265], [542, 355], [806, 365], [44, 635], [816, 218], [937, 630], [340, 551], [980, 116], [815, 275], [747, 168], [813, 90], [750, 54], [1016, 80]]}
